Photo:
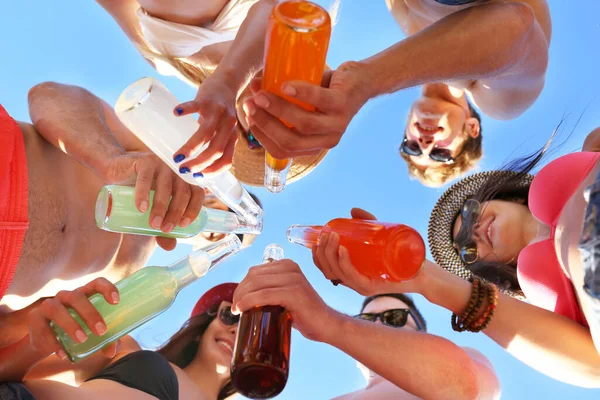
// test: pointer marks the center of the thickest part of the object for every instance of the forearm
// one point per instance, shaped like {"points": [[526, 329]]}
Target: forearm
{"points": [[17, 359], [425, 365], [13, 325], [548, 342], [475, 43], [73, 120], [245, 56]]}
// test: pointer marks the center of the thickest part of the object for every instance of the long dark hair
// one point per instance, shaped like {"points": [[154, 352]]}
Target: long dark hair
{"points": [[182, 347], [506, 187]]}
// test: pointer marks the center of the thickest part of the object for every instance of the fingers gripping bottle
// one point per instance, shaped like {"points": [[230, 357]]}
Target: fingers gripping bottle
{"points": [[146, 108], [144, 295], [379, 250], [261, 355], [296, 48]]}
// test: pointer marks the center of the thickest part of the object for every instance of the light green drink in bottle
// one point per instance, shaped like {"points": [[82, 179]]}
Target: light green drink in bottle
{"points": [[116, 212], [144, 295]]}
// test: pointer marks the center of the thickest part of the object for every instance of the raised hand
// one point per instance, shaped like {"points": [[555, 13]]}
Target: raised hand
{"points": [[341, 96]]}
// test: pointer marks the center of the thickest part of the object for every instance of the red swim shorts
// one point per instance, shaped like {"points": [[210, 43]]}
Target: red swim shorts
{"points": [[13, 197]]}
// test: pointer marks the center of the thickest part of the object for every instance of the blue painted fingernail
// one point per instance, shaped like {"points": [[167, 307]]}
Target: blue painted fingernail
{"points": [[198, 175], [184, 170], [179, 158], [179, 110]]}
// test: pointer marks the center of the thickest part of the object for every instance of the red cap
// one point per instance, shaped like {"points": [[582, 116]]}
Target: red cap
{"points": [[214, 296]]}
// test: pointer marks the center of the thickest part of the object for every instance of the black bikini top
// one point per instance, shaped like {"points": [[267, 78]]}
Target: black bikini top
{"points": [[455, 2], [144, 370]]}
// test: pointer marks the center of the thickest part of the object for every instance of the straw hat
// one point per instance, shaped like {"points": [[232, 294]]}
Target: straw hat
{"points": [[249, 164], [447, 208]]}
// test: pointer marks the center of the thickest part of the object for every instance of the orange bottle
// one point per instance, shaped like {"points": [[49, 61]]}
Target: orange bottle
{"points": [[261, 355], [296, 47], [379, 250]]}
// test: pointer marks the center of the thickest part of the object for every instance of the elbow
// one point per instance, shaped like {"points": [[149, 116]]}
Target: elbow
{"points": [[520, 27], [41, 91], [518, 20], [469, 388]]}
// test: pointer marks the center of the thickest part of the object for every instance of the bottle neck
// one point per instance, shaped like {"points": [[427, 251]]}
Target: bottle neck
{"points": [[183, 273], [304, 235], [219, 221], [199, 263]]}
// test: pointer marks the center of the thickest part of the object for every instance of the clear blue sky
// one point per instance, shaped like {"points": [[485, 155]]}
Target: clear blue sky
{"points": [[76, 42]]}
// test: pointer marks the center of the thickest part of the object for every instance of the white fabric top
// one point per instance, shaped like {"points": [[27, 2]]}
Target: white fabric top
{"points": [[178, 40]]}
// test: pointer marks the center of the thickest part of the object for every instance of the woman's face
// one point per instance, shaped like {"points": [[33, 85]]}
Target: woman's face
{"points": [[499, 231], [216, 344]]}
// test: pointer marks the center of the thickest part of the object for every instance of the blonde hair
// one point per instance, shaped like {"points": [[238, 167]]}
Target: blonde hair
{"points": [[437, 176]]}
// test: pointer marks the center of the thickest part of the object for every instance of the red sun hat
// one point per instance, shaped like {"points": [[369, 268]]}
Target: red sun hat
{"points": [[214, 296]]}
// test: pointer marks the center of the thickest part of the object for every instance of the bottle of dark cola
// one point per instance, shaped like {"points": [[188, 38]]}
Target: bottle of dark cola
{"points": [[261, 355]]}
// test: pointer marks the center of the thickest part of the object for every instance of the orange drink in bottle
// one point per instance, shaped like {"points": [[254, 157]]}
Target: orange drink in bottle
{"points": [[379, 250], [296, 48]]}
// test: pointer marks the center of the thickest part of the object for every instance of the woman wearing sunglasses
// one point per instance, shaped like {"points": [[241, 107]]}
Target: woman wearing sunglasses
{"points": [[193, 363], [522, 234]]}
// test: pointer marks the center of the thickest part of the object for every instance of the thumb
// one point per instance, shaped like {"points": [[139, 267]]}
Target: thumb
{"points": [[359, 213]]}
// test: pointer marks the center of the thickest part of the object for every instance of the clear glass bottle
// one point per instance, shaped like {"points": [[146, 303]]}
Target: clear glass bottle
{"points": [[146, 108]]}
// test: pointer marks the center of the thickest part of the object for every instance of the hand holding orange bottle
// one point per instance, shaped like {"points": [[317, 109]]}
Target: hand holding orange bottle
{"points": [[297, 40], [367, 256]]}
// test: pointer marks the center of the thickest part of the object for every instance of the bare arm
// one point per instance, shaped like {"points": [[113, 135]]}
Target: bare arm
{"points": [[84, 369], [245, 56], [501, 53], [21, 361], [546, 341], [87, 129], [75, 121], [425, 365]]}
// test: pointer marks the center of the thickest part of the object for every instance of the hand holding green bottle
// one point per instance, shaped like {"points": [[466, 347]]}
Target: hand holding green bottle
{"points": [[56, 309]]}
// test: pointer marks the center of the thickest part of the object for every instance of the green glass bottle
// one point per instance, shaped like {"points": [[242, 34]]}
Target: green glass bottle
{"points": [[116, 212], [144, 295]]}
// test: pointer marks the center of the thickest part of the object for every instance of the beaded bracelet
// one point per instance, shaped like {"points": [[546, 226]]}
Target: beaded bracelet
{"points": [[485, 319], [458, 323], [480, 292]]}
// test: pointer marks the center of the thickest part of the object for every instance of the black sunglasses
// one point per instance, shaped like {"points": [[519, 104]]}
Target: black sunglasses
{"points": [[466, 246], [227, 317], [411, 148], [395, 318]]}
